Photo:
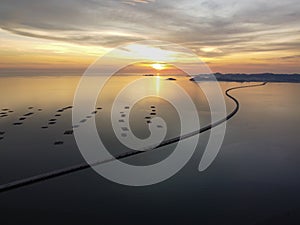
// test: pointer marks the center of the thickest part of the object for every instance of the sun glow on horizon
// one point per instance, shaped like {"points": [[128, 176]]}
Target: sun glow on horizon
{"points": [[158, 66]]}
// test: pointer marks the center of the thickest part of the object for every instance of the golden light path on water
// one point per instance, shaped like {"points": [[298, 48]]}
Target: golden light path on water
{"points": [[157, 84]]}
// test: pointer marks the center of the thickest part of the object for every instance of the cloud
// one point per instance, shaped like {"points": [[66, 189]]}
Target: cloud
{"points": [[229, 27], [134, 2], [291, 57], [102, 39]]}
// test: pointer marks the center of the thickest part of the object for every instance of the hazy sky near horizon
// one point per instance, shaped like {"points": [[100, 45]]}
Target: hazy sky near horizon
{"points": [[231, 36]]}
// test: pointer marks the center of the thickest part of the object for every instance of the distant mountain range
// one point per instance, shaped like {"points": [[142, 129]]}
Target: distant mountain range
{"points": [[262, 77]]}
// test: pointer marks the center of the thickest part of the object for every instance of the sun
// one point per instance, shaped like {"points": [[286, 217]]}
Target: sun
{"points": [[158, 66]]}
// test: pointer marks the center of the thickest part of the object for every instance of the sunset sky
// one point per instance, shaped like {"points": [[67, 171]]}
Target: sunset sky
{"points": [[248, 36]]}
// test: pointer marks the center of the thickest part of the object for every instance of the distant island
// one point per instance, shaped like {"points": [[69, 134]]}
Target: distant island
{"points": [[241, 77]]}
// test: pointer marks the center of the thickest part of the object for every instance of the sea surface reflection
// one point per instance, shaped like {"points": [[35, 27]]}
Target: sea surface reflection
{"points": [[254, 180]]}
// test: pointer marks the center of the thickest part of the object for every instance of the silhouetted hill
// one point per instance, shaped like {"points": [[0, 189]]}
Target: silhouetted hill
{"points": [[262, 77]]}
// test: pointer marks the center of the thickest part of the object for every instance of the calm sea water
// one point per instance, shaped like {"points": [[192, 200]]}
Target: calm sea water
{"points": [[254, 179]]}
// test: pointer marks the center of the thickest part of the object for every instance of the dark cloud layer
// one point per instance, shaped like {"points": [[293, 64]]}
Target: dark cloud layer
{"points": [[229, 26]]}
